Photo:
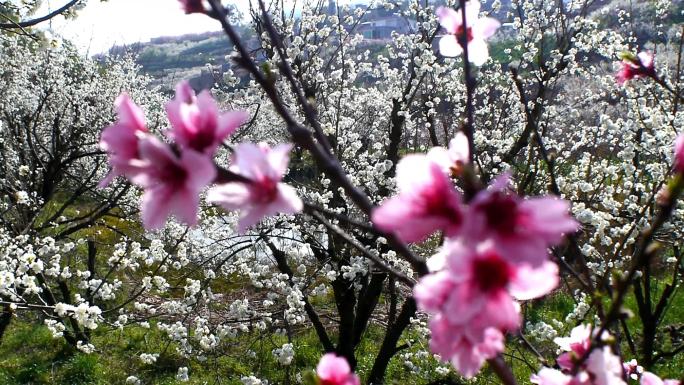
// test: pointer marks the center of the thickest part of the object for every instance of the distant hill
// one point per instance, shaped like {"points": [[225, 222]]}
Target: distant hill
{"points": [[201, 58], [171, 58]]}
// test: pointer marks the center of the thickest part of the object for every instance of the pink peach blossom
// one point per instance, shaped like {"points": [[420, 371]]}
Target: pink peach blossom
{"points": [[264, 195], [521, 229], [196, 121], [575, 346], [466, 352], [486, 285], [334, 370], [172, 185], [632, 369], [433, 290], [427, 202], [633, 67], [604, 367], [452, 159], [472, 298], [679, 154], [120, 140], [476, 31], [600, 366]]}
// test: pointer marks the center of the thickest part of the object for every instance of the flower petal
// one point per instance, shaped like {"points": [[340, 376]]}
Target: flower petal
{"points": [[449, 19], [485, 27], [448, 46], [478, 53], [532, 282]]}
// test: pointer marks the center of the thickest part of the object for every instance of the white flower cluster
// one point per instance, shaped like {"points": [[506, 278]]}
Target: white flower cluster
{"points": [[284, 354]]}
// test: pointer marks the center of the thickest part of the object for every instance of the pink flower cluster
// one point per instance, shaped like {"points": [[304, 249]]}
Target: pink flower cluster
{"points": [[474, 32], [495, 252], [334, 370], [582, 364], [639, 66], [174, 175]]}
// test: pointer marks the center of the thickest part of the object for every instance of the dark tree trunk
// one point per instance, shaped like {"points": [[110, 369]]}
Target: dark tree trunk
{"points": [[389, 345]]}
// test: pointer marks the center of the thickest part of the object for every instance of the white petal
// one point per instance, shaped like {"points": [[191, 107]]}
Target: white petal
{"points": [[478, 53], [448, 46]]}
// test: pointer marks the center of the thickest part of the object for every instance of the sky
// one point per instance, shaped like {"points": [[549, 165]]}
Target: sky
{"points": [[103, 24], [100, 25]]}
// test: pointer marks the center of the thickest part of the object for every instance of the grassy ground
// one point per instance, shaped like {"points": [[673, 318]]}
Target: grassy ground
{"points": [[29, 354]]}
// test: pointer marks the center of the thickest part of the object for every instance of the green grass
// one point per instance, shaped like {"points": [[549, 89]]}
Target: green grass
{"points": [[31, 356]]}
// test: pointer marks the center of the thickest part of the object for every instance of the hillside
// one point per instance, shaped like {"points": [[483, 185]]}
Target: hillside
{"points": [[170, 58]]}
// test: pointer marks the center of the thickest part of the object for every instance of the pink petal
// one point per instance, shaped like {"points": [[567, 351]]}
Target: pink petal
{"points": [[155, 208], [249, 161], [441, 157], [397, 215], [438, 261], [333, 368], [432, 291], [548, 376], [459, 149], [200, 168], [679, 153], [501, 311], [532, 282], [522, 249], [209, 114], [184, 206], [156, 152], [467, 363], [485, 27], [549, 217], [229, 122], [182, 111], [129, 113], [648, 378], [287, 201], [605, 366], [493, 343], [449, 19], [251, 216], [413, 172], [120, 141], [278, 159], [580, 335], [230, 196], [184, 92], [449, 47], [464, 303]]}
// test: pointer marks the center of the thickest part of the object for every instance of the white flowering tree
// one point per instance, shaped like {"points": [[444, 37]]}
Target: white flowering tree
{"points": [[52, 104]]}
